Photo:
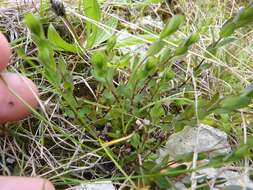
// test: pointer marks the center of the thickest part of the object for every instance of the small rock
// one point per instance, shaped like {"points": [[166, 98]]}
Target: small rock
{"points": [[210, 139], [179, 186], [105, 185], [127, 44], [149, 21], [10, 160], [236, 187], [233, 178]]}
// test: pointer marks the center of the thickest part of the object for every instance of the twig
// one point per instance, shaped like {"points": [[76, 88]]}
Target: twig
{"points": [[185, 82], [195, 153]]}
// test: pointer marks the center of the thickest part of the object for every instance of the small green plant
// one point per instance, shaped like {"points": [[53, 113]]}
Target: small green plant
{"points": [[132, 107]]}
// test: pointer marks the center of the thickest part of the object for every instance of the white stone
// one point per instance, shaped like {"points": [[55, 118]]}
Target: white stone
{"points": [[210, 139], [232, 177], [134, 47], [149, 21], [105, 185]]}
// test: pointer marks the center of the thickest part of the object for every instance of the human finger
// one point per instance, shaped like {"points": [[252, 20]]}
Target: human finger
{"points": [[24, 183], [5, 52], [17, 93]]}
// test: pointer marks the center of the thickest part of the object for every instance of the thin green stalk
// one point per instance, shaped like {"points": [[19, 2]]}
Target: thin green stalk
{"points": [[116, 164]]}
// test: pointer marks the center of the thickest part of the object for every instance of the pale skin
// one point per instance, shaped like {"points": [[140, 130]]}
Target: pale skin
{"points": [[18, 183]]}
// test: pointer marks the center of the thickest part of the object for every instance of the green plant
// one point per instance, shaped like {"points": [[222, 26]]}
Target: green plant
{"points": [[133, 108]]}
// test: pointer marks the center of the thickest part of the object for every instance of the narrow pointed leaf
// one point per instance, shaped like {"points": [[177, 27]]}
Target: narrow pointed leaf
{"points": [[172, 26], [156, 47], [60, 43], [92, 11]]}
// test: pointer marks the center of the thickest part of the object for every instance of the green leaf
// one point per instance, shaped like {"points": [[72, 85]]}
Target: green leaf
{"points": [[172, 26], [235, 102], [124, 91], [156, 47], [248, 91], [184, 46], [122, 62], [227, 29], [225, 41], [92, 11], [163, 182], [250, 141], [98, 60], [191, 39], [46, 57], [169, 74], [62, 67], [177, 170], [244, 16], [216, 161], [186, 157], [34, 25], [106, 33], [111, 43], [180, 50], [136, 140], [242, 151], [157, 112], [165, 55], [129, 41], [150, 65], [211, 49], [100, 68], [59, 43], [154, 1]]}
